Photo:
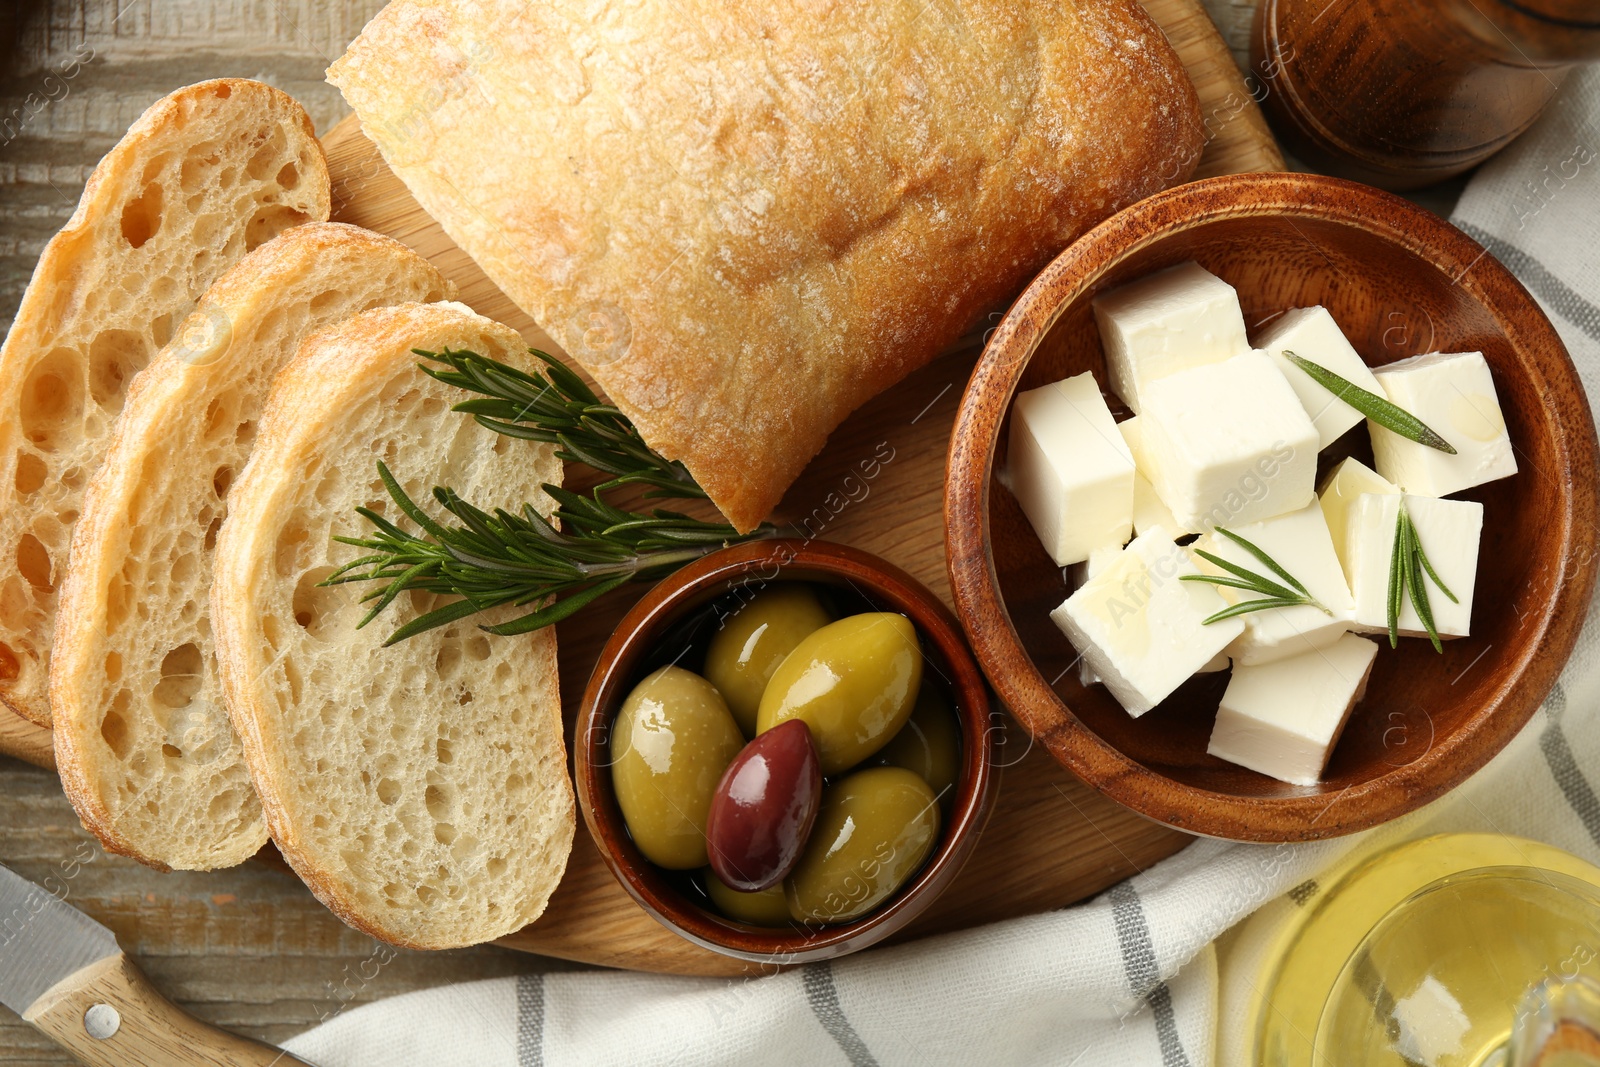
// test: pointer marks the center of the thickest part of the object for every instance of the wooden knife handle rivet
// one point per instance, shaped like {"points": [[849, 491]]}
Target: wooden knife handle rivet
{"points": [[109, 1015], [102, 1021]]}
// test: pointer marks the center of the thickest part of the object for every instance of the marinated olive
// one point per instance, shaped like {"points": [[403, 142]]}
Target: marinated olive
{"points": [[872, 834], [853, 682], [929, 743], [762, 811], [751, 644], [669, 746], [766, 908]]}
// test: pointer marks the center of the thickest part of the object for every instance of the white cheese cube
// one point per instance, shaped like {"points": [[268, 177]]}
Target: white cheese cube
{"points": [[1448, 531], [1148, 510], [1349, 480], [1300, 544], [1070, 470], [1282, 719], [1100, 559], [1141, 629], [1172, 320], [1311, 333], [1454, 395], [1229, 443]]}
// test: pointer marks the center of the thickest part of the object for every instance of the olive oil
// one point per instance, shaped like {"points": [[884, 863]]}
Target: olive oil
{"points": [[1426, 953]]}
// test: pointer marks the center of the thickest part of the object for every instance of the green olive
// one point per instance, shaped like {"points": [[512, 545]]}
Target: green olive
{"points": [[872, 834], [755, 639], [766, 908], [853, 682], [669, 746], [929, 743]]}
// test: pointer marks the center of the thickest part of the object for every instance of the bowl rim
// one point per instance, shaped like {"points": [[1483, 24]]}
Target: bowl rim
{"points": [[969, 477], [782, 559]]}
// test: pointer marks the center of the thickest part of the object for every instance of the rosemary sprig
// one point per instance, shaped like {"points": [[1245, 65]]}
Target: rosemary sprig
{"points": [[564, 412], [1379, 409], [586, 548], [1272, 594], [1407, 565]]}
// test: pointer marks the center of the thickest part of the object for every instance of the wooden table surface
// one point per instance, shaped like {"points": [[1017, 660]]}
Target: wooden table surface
{"points": [[247, 948]]}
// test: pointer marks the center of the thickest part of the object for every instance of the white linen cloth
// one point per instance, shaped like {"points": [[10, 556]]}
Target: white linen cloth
{"points": [[1131, 977]]}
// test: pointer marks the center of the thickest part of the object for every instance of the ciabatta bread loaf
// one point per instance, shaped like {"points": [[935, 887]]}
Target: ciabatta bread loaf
{"points": [[143, 742], [205, 175], [420, 790], [745, 219]]}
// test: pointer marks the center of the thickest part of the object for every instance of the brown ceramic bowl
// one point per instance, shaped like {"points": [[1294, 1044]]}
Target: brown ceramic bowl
{"points": [[1399, 281], [643, 641]]}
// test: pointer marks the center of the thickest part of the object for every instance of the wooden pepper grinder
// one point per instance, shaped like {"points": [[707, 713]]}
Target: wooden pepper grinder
{"points": [[1405, 93]]}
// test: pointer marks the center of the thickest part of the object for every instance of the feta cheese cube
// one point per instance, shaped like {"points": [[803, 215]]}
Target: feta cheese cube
{"points": [[1448, 531], [1282, 719], [1300, 544], [1070, 470], [1229, 443], [1454, 395], [1311, 333], [1100, 559], [1148, 510], [1349, 480], [1177, 318], [1141, 629]]}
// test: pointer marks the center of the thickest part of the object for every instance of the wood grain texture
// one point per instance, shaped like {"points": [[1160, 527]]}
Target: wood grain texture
{"points": [[249, 949], [1237, 137]]}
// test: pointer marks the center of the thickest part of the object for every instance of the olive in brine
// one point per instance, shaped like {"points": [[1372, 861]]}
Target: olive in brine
{"points": [[755, 639], [762, 811], [874, 831], [929, 743], [853, 682], [670, 744], [766, 908]]}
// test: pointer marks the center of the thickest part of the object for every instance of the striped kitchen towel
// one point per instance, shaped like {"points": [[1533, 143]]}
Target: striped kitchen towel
{"points": [[1130, 978]]}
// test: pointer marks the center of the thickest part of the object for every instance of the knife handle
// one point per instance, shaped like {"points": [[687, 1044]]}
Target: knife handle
{"points": [[146, 1029]]}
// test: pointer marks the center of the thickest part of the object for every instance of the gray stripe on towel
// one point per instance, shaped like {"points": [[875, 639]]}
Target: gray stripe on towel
{"points": [[530, 1020], [1551, 291], [1564, 765], [823, 997], [1144, 975]]}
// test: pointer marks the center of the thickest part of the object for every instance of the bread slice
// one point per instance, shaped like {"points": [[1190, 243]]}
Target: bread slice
{"points": [[204, 175], [421, 790], [142, 737]]}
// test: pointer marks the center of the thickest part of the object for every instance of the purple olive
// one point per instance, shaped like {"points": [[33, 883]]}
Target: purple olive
{"points": [[762, 811]]}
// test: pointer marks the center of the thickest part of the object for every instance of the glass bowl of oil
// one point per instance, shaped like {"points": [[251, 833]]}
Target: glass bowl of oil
{"points": [[1460, 950]]}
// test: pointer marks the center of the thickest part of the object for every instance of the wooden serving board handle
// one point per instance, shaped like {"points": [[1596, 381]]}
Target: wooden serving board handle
{"points": [[109, 1015]]}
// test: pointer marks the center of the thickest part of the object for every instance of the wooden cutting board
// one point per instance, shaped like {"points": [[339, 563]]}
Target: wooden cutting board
{"points": [[1050, 841]]}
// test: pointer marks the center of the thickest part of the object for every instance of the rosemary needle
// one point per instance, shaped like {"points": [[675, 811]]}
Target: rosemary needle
{"points": [[1377, 408], [1271, 593], [560, 410], [555, 566], [1408, 563]]}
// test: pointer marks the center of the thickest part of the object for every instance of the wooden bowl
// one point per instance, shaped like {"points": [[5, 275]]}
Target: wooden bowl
{"points": [[1399, 281], [643, 641]]}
